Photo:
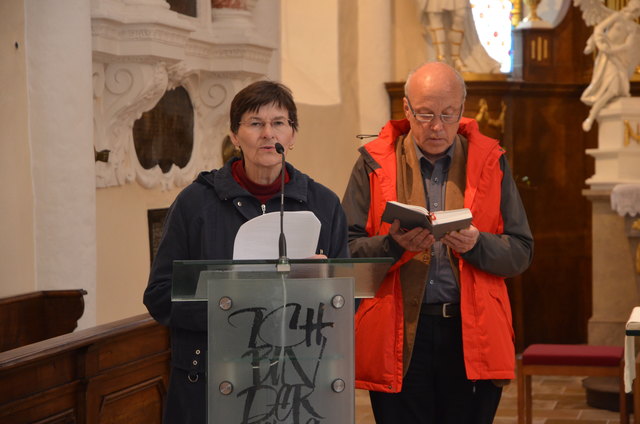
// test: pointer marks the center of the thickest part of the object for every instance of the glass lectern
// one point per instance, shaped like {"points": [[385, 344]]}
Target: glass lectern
{"points": [[280, 346]]}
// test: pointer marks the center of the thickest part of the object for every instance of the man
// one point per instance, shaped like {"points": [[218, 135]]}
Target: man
{"points": [[435, 345]]}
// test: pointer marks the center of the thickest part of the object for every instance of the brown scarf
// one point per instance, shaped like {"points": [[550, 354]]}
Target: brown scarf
{"points": [[410, 189]]}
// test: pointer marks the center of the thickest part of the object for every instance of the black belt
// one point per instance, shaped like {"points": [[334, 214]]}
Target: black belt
{"points": [[445, 310]]}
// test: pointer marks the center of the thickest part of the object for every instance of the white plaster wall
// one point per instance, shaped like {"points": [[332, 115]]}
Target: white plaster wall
{"points": [[59, 235], [408, 40], [17, 270], [123, 248], [58, 39], [326, 146], [374, 63], [266, 18], [310, 51]]}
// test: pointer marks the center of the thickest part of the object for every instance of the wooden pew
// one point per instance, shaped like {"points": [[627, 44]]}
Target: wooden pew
{"points": [[32, 317], [108, 374]]}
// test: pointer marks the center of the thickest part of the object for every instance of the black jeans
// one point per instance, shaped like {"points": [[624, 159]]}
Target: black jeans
{"points": [[435, 389]]}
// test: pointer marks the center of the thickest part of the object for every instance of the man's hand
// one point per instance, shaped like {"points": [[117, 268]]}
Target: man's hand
{"points": [[415, 240], [462, 241]]}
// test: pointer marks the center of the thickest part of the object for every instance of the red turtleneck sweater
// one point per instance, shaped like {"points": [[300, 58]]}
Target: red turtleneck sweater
{"points": [[259, 191]]}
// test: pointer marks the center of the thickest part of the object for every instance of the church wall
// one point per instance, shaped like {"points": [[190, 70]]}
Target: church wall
{"points": [[123, 247], [122, 227], [327, 145], [408, 39], [17, 257], [326, 149]]}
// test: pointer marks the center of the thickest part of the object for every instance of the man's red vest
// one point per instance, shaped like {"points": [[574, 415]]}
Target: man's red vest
{"points": [[487, 330]]}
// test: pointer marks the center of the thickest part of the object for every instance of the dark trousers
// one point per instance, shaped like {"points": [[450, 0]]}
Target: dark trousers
{"points": [[186, 401], [435, 389]]}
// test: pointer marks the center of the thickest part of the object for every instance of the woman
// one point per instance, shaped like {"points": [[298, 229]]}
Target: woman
{"points": [[204, 219]]}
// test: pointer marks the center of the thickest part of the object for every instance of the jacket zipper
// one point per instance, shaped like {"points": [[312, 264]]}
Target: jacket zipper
{"points": [[264, 208]]}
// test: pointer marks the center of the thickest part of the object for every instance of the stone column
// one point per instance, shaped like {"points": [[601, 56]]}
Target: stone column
{"points": [[615, 281], [625, 200], [58, 40], [615, 290]]}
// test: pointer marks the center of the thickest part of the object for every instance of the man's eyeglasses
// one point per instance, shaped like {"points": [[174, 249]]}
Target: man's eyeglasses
{"points": [[277, 125], [429, 117]]}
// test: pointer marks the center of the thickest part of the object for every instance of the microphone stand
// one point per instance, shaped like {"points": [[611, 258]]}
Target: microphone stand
{"points": [[283, 262]]}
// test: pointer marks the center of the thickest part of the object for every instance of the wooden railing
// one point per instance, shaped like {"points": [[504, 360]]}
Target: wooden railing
{"points": [[32, 317], [108, 374]]}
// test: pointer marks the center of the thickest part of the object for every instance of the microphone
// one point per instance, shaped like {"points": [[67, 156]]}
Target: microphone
{"points": [[283, 261]]}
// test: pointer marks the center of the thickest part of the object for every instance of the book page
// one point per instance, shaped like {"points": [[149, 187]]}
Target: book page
{"points": [[258, 237], [412, 207], [442, 217]]}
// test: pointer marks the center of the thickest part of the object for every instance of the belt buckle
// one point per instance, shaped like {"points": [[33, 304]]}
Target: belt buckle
{"points": [[444, 310]]}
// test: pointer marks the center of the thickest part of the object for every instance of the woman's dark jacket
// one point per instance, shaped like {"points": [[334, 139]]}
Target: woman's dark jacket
{"points": [[202, 224]]}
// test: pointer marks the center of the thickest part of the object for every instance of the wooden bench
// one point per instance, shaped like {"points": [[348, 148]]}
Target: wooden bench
{"points": [[115, 373], [574, 360], [32, 317]]}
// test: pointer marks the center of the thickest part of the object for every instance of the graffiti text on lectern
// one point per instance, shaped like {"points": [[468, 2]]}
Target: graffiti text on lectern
{"points": [[285, 348]]}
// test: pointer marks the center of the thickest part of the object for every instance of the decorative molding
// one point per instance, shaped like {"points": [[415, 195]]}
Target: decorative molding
{"points": [[254, 53], [140, 50], [155, 3], [128, 90], [124, 91], [630, 134], [483, 116]]}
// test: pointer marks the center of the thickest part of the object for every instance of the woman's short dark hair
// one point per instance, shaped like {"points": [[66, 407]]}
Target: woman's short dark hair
{"points": [[262, 93]]}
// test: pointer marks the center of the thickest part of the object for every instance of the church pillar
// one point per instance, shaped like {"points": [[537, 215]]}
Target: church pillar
{"points": [[615, 289], [59, 80]]}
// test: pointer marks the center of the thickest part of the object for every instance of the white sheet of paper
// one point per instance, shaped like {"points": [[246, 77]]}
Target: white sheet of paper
{"points": [[258, 237]]}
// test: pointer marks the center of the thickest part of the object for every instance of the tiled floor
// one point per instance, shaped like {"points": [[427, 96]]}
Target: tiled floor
{"points": [[556, 400]]}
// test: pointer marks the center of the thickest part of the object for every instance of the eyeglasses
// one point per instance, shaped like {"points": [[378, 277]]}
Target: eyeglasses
{"points": [[277, 125], [429, 117]]}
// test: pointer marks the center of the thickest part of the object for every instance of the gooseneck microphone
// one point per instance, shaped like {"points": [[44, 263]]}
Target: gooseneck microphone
{"points": [[283, 262]]}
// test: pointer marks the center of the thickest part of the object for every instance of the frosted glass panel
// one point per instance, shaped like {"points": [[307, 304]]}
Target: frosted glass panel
{"points": [[280, 349]]}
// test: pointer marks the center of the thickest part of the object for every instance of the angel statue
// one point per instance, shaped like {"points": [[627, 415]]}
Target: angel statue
{"points": [[617, 39]]}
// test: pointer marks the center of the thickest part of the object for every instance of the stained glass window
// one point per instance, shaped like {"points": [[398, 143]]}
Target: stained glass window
{"points": [[493, 23]]}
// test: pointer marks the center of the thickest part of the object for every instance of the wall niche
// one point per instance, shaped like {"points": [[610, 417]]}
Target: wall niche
{"points": [[163, 136]]}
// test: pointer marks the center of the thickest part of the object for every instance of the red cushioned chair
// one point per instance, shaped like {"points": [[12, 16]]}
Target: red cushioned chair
{"points": [[577, 360]]}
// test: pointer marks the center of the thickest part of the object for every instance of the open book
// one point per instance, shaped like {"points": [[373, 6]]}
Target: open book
{"points": [[439, 223]]}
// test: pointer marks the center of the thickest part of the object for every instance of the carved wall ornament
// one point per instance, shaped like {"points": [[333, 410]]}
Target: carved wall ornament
{"points": [[131, 89], [483, 117], [629, 134], [540, 49], [142, 49], [127, 91]]}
